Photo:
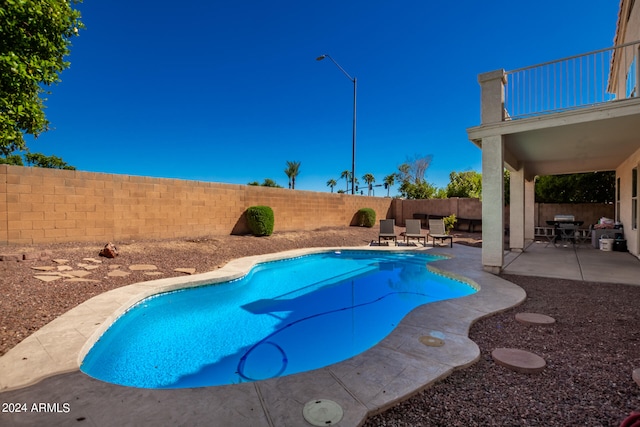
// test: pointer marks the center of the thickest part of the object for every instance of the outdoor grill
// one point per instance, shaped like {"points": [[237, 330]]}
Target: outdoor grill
{"points": [[564, 218]]}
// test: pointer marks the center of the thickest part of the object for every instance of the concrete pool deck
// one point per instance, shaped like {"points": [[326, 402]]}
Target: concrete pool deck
{"points": [[44, 368]]}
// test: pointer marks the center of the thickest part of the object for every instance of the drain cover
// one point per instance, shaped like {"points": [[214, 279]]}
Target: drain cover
{"points": [[322, 412], [431, 341]]}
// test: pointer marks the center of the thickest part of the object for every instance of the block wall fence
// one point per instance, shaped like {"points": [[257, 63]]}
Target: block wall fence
{"points": [[39, 205]]}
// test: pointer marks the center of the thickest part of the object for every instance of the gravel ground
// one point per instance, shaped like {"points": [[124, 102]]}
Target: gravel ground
{"points": [[590, 351]]}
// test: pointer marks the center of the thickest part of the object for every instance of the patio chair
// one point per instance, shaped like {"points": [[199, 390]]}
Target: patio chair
{"points": [[437, 232], [413, 231], [387, 231]]}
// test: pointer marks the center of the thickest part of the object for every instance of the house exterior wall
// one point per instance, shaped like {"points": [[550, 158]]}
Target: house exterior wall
{"points": [[624, 173]]}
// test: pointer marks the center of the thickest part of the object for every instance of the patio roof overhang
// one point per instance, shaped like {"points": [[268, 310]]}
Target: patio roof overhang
{"points": [[589, 139]]}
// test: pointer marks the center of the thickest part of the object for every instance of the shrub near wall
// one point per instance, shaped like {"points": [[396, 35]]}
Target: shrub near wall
{"points": [[260, 219]]}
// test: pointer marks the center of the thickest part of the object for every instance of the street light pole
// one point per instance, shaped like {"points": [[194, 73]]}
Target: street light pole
{"points": [[353, 138]]}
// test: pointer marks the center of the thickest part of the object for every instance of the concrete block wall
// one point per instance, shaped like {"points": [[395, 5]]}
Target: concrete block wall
{"points": [[590, 213], [49, 205], [461, 207], [40, 205]]}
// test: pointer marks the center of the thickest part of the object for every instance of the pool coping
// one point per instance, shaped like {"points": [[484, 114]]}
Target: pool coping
{"points": [[368, 383]]}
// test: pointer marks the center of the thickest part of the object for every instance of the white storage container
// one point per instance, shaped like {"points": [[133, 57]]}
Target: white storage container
{"points": [[606, 245]]}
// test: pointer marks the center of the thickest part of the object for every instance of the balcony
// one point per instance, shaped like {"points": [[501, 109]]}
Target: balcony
{"points": [[580, 81], [572, 115]]}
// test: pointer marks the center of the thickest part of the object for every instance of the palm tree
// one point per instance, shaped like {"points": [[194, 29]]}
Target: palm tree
{"points": [[347, 176], [369, 179], [292, 170], [389, 181], [332, 183]]}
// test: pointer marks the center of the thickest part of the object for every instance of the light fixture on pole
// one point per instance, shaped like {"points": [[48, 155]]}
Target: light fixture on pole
{"points": [[353, 140]]}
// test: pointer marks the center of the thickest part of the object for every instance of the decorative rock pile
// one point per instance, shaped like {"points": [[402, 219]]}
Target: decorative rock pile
{"points": [[61, 268]]}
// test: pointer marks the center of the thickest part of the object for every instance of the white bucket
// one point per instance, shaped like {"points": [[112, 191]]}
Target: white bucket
{"points": [[606, 245]]}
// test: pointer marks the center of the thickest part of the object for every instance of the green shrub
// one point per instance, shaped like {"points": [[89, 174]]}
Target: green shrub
{"points": [[260, 220], [366, 217], [449, 222]]}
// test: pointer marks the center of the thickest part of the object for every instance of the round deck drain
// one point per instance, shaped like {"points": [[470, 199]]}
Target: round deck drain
{"points": [[431, 341], [322, 412]]}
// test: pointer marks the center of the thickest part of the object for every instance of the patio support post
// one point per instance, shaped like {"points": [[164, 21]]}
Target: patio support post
{"points": [[529, 210], [516, 210], [492, 203]]}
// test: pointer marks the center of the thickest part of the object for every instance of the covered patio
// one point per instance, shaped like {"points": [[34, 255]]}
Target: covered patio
{"points": [[581, 262], [541, 134]]}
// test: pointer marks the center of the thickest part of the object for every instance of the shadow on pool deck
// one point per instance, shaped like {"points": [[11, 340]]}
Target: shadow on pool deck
{"points": [[394, 369]]}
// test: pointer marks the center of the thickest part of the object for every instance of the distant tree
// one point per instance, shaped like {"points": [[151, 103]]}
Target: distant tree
{"points": [[292, 171], [12, 159], [36, 160], [506, 186], [411, 177], [592, 187], [369, 179], [347, 176], [41, 161], [332, 183], [34, 40], [389, 181], [465, 184], [268, 182], [441, 193]]}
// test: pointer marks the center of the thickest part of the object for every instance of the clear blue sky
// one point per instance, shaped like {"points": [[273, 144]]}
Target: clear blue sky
{"points": [[228, 91]]}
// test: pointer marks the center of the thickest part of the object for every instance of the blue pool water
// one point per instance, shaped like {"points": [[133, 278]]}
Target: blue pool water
{"points": [[283, 317]]}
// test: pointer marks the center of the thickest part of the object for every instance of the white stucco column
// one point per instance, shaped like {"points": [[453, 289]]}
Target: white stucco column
{"points": [[492, 203], [529, 210], [492, 96], [516, 210]]}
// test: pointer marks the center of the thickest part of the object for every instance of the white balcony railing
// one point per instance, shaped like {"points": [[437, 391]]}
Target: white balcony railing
{"points": [[579, 81]]}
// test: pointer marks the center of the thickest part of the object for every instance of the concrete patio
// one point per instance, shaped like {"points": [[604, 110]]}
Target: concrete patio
{"points": [[582, 262]]}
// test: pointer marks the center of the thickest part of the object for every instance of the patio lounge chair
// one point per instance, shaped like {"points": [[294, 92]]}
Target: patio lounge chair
{"points": [[413, 231], [387, 231], [436, 231]]}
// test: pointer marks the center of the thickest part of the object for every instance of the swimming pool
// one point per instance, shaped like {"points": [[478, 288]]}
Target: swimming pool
{"points": [[282, 318]]}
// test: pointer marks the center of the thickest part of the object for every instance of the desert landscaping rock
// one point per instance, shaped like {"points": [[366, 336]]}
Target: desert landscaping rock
{"points": [[60, 261], [79, 273], [636, 376], [49, 278], [153, 273], [88, 266], [185, 270], [118, 273], [10, 257], [44, 268], [535, 319], [64, 268], [142, 267], [93, 260], [518, 360]]}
